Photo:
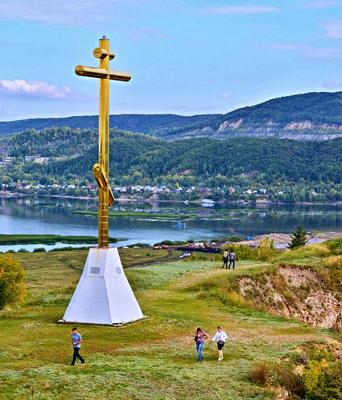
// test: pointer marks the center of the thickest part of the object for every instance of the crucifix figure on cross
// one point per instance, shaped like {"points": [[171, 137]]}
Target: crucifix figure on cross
{"points": [[101, 169], [103, 294]]}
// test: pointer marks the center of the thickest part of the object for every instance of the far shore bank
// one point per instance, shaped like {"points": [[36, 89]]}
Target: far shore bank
{"points": [[34, 243], [176, 201]]}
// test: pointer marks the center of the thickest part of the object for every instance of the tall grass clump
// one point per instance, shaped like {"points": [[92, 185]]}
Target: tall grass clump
{"points": [[333, 262], [199, 256], [314, 250], [335, 246], [12, 288], [285, 376], [260, 374]]}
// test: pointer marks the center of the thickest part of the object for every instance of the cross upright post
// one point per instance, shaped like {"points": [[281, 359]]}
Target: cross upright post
{"points": [[103, 294], [101, 169]]}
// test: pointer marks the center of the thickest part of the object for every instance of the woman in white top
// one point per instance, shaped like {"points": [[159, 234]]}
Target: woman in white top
{"points": [[220, 337]]}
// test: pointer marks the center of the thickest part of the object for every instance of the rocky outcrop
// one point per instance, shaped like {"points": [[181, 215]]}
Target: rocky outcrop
{"points": [[295, 292]]}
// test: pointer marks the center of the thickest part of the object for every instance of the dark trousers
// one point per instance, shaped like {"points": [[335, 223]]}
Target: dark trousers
{"points": [[230, 263], [225, 263], [76, 355]]}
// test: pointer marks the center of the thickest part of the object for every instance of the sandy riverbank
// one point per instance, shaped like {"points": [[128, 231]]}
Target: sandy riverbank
{"points": [[281, 240]]}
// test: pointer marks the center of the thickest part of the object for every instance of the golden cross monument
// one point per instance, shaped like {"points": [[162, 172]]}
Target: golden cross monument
{"points": [[101, 169]]}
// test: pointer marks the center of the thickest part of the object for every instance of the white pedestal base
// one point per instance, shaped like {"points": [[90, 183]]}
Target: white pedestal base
{"points": [[103, 294]]}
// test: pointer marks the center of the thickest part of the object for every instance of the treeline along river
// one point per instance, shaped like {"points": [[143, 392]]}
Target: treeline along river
{"points": [[161, 221]]}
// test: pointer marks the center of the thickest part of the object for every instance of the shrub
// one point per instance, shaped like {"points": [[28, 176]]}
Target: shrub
{"points": [[140, 245], [266, 250], [39, 250], [260, 373], [328, 384], [323, 380], [234, 239], [242, 251], [11, 281], [22, 250]]}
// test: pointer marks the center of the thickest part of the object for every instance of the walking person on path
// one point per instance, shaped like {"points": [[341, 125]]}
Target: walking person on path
{"points": [[232, 258], [225, 259], [76, 340], [199, 338], [220, 338]]}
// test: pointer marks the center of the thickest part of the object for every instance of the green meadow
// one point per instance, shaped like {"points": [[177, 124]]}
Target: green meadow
{"points": [[48, 239], [150, 359]]}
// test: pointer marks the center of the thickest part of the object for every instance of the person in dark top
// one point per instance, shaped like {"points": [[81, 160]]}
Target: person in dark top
{"points": [[76, 340], [232, 258], [199, 338], [225, 259]]}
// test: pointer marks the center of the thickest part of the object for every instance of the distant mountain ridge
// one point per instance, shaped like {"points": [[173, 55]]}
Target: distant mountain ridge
{"points": [[309, 116], [136, 123]]}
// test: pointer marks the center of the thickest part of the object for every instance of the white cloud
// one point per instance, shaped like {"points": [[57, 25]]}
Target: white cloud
{"points": [[332, 85], [224, 96], [226, 10], [320, 4], [69, 12], [33, 88], [333, 29], [310, 51], [144, 32]]}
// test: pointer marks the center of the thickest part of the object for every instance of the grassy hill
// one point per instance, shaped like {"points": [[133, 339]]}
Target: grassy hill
{"points": [[155, 358], [309, 116]]}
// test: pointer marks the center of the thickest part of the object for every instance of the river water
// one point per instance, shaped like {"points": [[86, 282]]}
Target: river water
{"points": [[55, 216]]}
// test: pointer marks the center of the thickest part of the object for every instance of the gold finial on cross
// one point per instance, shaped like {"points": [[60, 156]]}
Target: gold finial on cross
{"points": [[101, 169]]}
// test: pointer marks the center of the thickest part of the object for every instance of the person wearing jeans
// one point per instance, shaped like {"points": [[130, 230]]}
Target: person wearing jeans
{"points": [[232, 258], [76, 340], [199, 338]]}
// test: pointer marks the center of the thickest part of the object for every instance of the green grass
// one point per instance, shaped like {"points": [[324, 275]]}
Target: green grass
{"points": [[150, 359], [48, 239], [156, 216]]}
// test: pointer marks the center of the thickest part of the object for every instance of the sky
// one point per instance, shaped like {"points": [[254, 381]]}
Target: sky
{"points": [[185, 56]]}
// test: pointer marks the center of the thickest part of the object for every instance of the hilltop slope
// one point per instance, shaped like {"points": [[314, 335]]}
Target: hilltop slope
{"points": [[140, 123], [154, 358], [310, 116]]}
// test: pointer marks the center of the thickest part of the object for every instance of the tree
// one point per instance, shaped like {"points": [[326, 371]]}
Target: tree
{"points": [[298, 238], [11, 281]]}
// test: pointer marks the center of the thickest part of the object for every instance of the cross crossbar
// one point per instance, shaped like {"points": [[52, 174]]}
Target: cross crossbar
{"points": [[102, 73]]}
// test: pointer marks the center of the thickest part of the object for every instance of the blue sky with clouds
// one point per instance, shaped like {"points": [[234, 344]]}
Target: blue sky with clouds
{"points": [[185, 56]]}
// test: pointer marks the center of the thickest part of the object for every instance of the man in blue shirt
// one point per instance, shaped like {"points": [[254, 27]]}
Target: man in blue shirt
{"points": [[76, 340]]}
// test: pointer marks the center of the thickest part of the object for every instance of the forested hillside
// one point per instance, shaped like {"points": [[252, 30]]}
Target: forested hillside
{"points": [[272, 158], [236, 168]]}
